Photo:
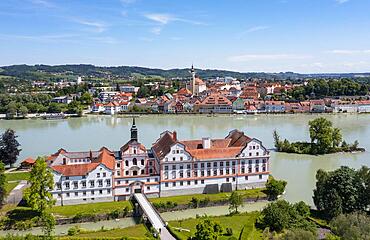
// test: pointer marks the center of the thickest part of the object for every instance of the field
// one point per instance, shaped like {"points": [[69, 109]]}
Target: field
{"points": [[240, 224], [12, 179], [131, 233], [90, 208]]}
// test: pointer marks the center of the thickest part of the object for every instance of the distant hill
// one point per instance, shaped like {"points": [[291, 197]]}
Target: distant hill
{"points": [[34, 72]]}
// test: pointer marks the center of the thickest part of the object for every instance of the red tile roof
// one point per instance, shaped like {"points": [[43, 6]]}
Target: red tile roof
{"points": [[75, 169]]}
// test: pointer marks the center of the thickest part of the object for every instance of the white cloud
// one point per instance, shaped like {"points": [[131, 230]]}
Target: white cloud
{"points": [[96, 26], [257, 28], [341, 1], [257, 57], [349, 52], [163, 18], [156, 30], [43, 3]]}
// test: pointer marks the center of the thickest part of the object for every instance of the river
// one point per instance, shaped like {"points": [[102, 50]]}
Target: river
{"points": [[42, 137]]}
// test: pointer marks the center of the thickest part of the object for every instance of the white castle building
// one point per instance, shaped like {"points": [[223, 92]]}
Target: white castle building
{"points": [[171, 167]]}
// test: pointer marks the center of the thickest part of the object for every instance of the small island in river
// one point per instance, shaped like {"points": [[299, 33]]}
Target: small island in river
{"points": [[325, 139]]}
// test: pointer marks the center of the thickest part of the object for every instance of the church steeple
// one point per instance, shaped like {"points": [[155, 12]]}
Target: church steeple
{"points": [[192, 71], [133, 131]]}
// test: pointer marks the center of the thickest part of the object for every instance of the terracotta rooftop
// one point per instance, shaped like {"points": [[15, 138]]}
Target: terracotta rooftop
{"points": [[75, 169]]}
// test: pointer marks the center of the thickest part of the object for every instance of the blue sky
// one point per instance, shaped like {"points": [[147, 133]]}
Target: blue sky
{"points": [[243, 35]]}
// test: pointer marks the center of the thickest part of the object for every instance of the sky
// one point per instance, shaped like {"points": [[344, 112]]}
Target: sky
{"points": [[306, 36]]}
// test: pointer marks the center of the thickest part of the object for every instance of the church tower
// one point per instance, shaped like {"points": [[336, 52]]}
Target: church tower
{"points": [[133, 131], [192, 71]]}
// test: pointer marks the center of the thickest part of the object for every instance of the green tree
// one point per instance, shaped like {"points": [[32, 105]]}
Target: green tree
{"points": [[11, 110], [41, 181], [47, 224], [54, 108], [235, 201], [337, 137], [299, 234], [208, 230], [9, 147], [351, 226], [321, 134], [274, 187], [339, 191], [23, 111], [276, 215], [3, 192], [86, 98], [277, 141]]}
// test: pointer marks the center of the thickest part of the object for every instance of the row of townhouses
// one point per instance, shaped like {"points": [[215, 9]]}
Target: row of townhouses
{"points": [[170, 167]]}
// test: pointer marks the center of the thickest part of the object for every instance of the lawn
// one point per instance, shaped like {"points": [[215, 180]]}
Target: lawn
{"points": [[185, 199], [236, 222], [17, 176], [10, 185], [90, 208], [136, 232]]}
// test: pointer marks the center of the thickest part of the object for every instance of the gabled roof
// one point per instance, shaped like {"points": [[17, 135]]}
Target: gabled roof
{"points": [[125, 147], [238, 138], [215, 153], [163, 145], [75, 169]]}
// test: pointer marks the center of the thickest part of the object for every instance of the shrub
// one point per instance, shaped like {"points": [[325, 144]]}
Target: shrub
{"points": [[229, 232], [73, 231], [194, 202]]}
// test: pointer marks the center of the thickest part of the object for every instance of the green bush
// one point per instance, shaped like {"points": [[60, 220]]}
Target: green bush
{"points": [[229, 232]]}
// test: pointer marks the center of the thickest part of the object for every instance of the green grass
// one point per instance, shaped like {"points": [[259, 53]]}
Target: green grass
{"points": [[17, 176], [90, 208], [185, 199], [135, 232], [236, 222], [10, 185]]}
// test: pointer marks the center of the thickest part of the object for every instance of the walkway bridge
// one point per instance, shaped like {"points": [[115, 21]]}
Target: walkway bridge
{"points": [[147, 210]]}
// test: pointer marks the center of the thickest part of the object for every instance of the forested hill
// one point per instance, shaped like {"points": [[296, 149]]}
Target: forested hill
{"points": [[33, 72]]}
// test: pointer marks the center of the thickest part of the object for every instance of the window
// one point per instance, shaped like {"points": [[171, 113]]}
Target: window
{"points": [[188, 182], [165, 167], [118, 173], [250, 169], [249, 161], [126, 181], [150, 171], [150, 163], [83, 184], [127, 189], [214, 172], [188, 166], [221, 164], [173, 159], [108, 191], [233, 163], [118, 165], [177, 151], [233, 179], [181, 183], [173, 151], [166, 184], [246, 177], [227, 171], [67, 185], [195, 182], [181, 166], [188, 174], [257, 153], [227, 179], [209, 173], [264, 169], [126, 163], [92, 183], [195, 165], [215, 164], [243, 170], [108, 182], [127, 173], [257, 161], [174, 184], [148, 188], [257, 169], [84, 193], [181, 174], [142, 171], [100, 183], [104, 174], [260, 176], [142, 162], [208, 165], [98, 175], [76, 193], [92, 192], [254, 147], [233, 170], [202, 165], [134, 161], [118, 182], [202, 181], [134, 173], [181, 158], [221, 172], [58, 186], [173, 167], [100, 191], [67, 195], [202, 173], [264, 160], [227, 164], [148, 180], [250, 154]]}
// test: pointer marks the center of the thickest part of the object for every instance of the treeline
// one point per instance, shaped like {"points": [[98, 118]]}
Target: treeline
{"points": [[323, 88], [324, 139], [34, 72]]}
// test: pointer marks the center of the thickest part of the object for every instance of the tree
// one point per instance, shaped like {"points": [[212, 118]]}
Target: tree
{"points": [[11, 111], [3, 192], [41, 181], [274, 188], [235, 201], [23, 110], [208, 230], [337, 137], [339, 191], [299, 234], [321, 133], [277, 140], [48, 224], [86, 98], [54, 108], [351, 226], [9, 147]]}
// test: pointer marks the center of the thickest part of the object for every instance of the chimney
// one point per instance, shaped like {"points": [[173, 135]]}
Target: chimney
{"points": [[174, 136], [206, 143]]}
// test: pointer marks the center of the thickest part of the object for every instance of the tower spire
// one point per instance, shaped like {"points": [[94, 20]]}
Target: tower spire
{"points": [[193, 80], [133, 131]]}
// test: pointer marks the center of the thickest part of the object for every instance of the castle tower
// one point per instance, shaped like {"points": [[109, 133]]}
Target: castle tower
{"points": [[133, 131], [192, 71]]}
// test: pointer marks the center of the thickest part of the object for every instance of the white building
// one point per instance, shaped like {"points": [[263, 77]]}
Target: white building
{"points": [[129, 89], [171, 167]]}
